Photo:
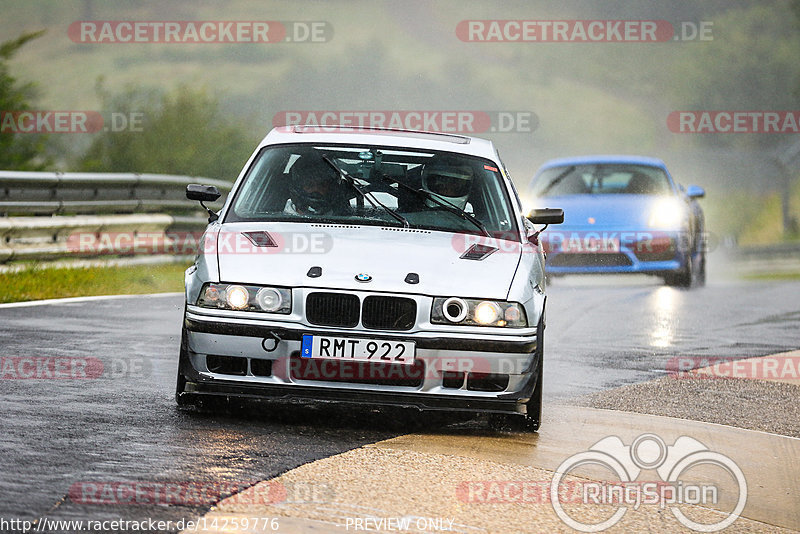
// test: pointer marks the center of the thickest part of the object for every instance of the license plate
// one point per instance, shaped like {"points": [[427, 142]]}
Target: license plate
{"points": [[591, 244], [348, 348]]}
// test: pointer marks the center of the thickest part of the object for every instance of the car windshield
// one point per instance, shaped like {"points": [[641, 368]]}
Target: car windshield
{"points": [[601, 179], [375, 185]]}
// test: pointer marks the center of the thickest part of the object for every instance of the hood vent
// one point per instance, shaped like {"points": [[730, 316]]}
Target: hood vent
{"points": [[478, 252]]}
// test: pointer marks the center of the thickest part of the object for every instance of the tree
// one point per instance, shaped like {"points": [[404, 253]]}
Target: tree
{"points": [[181, 132], [18, 151], [751, 64]]}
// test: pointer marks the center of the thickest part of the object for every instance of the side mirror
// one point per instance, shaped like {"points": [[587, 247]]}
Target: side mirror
{"points": [[203, 193], [546, 216], [695, 191]]}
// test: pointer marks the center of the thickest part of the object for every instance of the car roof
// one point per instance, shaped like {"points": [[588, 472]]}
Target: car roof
{"points": [[358, 135], [600, 159]]}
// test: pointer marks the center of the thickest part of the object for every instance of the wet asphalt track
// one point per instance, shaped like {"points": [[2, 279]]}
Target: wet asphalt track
{"points": [[124, 426]]}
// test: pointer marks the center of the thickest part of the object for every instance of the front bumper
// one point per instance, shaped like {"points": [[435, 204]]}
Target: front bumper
{"points": [[251, 358], [646, 252]]}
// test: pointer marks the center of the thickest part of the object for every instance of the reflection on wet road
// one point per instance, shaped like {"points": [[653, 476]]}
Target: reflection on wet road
{"points": [[58, 434], [605, 332]]}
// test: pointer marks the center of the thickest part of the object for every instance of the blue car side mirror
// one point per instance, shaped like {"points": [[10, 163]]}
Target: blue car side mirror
{"points": [[695, 191]]}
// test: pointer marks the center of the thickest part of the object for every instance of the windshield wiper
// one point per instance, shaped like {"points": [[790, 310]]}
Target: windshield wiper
{"points": [[452, 208], [557, 179], [367, 195]]}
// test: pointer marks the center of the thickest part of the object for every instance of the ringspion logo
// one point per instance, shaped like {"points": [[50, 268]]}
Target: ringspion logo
{"points": [[648, 452]]}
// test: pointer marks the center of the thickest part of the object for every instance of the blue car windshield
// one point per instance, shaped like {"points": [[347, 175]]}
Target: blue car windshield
{"points": [[601, 179], [375, 185]]}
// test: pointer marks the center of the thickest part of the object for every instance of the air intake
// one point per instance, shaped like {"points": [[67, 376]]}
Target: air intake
{"points": [[478, 252]]}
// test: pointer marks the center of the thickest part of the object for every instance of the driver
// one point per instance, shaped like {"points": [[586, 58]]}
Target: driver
{"points": [[449, 182], [313, 188]]}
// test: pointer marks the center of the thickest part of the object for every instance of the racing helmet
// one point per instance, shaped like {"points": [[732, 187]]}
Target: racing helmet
{"points": [[449, 181], [313, 186]]}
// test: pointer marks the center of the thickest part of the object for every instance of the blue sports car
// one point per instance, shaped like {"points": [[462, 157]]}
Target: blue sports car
{"points": [[622, 214]]}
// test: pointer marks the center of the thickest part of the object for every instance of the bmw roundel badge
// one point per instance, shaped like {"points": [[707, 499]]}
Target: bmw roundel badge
{"points": [[363, 277]]}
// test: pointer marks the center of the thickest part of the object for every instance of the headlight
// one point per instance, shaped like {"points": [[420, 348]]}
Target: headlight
{"points": [[667, 213], [246, 298], [269, 299], [476, 312], [487, 313], [237, 297]]}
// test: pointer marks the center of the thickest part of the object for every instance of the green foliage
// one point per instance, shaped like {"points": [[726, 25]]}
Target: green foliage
{"points": [[180, 132], [751, 64], [18, 151]]}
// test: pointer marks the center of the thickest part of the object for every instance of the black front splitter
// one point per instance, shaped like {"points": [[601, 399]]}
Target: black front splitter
{"points": [[305, 395]]}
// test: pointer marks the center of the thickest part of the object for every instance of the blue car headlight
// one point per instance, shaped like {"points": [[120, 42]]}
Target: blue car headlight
{"points": [[668, 214]]}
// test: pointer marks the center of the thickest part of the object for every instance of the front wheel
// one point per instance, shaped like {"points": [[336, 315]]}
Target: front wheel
{"points": [[701, 271], [531, 421], [681, 278], [183, 360]]}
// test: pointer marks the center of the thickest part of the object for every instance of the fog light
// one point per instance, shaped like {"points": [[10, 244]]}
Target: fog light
{"points": [[237, 297]]}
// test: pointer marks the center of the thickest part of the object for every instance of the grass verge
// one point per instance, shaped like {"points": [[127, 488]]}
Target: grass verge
{"points": [[38, 284]]}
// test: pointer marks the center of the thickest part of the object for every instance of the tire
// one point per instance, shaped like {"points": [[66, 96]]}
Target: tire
{"points": [[701, 271], [533, 418], [180, 385], [682, 278], [531, 421], [195, 402]]}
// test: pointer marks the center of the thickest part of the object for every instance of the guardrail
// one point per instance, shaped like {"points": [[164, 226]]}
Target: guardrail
{"points": [[53, 193], [44, 215], [776, 251]]}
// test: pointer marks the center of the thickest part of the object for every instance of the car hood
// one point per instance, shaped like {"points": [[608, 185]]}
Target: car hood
{"points": [[607, 211], [387, 255]]}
